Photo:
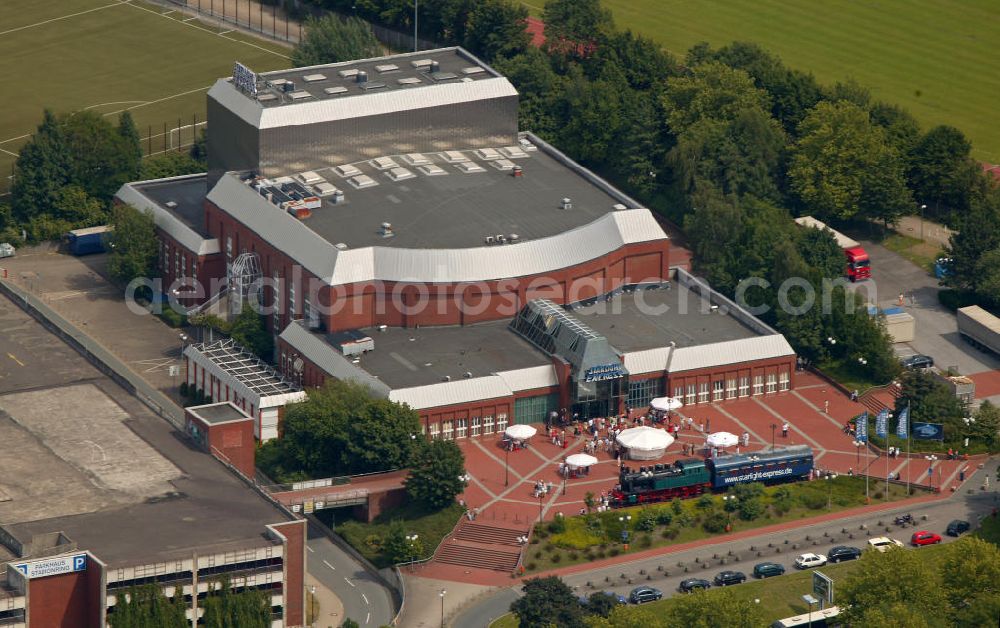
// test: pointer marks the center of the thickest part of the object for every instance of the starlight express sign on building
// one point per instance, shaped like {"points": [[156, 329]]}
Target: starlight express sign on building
{"points": [[603, 372], [244, 79]]}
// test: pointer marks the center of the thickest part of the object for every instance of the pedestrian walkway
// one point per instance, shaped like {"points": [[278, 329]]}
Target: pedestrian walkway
{"points": [[328, 610]]}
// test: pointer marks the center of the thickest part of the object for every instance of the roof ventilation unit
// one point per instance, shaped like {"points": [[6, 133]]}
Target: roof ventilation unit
{"points": [[347, 171], [454, 156], [566, 203], [513, 238], [348, 73], [501, 238], [488, 154], [338, 197], [171, 204], [387, 230], [340, 246], [333, 91], [490, 239], [314, 78], [513, 152], [470, 167], [468, 375], [416, 159], [434, 67], [400, 174], [362, 76], [618, 207], [432, 170], [384, 163], [446, 378], [288, 87], [517, 171], [503, 165]]}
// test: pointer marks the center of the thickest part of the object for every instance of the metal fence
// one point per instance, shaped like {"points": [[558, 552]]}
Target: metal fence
{"points": [[271, 21]]}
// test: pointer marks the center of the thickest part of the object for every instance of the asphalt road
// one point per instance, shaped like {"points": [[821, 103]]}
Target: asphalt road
{"points": [[739, 556], [365, 599], [936, 327]]}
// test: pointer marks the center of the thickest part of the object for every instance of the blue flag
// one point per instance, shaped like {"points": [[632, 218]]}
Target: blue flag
{"points": [[861, 427], [882, 423], [903, 429]]}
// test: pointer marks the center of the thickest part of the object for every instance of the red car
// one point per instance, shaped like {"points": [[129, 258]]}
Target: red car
{"points": [[923, 537]]}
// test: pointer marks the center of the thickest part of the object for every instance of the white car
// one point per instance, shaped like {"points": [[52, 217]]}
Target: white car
{"points": [[6, 249], [882, 543], [805, 561]]}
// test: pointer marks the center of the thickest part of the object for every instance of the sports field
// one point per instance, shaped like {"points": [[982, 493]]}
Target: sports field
{"points": [[937, 58], [111, 56]]}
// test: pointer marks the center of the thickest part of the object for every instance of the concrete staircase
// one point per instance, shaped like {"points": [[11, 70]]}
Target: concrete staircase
{"points": [[482, 546], [878, 399]]}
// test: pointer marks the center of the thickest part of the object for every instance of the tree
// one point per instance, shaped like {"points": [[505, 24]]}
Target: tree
{"points": [[978, 234], [496, 28], [144, 606], [131, 142], [170, 165], [72, 209], [573, 28], [349, 623], [132, 243], [249, 329], [330, 39], [722, 608], [540, 86], [928, 399], [711, 91], [547, 602], [434, 478], [943, 172], [341, 429], [987, 424], [971, 578], [397, 547], [843, 167], [41, 171], [103, 157], [227, 608], [601, 603], [890, 584]]}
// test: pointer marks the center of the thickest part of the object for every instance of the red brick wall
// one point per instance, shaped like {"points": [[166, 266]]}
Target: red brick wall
{"points": [[295, 568], [734, 371], [368, 304], [235, 441], [210, 269], [379, 502], [66, 601]]}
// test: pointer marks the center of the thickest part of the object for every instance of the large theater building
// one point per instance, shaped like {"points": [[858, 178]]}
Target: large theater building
{"points": [[406, 234]]}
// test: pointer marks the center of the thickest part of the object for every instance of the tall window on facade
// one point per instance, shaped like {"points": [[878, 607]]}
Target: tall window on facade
{"points": [[534, 409], [744, 386], [229, 249], [690, 394], [758, 385], [679, 392], [641, 392], [477, 425], [435, 431], [501, 422], [702, 392], [783, 380], [772, 382], [448, 429], [177, 264], [731, 388], [276, 303], [292, 309], [488, 425], [717, 390], [461, 428]]}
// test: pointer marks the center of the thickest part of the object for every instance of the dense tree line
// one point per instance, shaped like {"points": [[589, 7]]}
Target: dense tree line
{"points": [[146, 607], [343, 430]]}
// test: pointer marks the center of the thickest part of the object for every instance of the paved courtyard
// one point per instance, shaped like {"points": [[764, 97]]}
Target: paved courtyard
{"points": [[502, 485]]}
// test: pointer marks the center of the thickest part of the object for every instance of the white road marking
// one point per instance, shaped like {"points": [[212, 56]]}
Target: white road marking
{"points": [[311, 550], [368, 618], [349, 582], [63, 17], [225, 32], [190, 18], [365, 597], [330, 566]]}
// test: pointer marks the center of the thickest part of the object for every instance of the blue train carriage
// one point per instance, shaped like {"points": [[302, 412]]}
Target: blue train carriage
{"points": [[661, 482], [770, 467]]}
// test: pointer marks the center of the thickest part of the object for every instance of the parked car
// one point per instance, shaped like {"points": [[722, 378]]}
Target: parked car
{"points": [[641, 595], [883, 543], [843, 552], [768, 570], [957, 527], [7, 249], [805, 561], [923, 537], [726, 578], [694, 584], [918, 362]]}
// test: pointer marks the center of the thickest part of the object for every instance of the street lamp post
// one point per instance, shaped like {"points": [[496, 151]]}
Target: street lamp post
{"points": [[829, 492], [441, 594], [411, 540], [810, 600], [415, 17], [922, 208], [930, 470], [968, 420], [541, 496], [506, 465]]}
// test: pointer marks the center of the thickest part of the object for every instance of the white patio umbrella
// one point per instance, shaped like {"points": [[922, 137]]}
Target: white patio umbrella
{"points": [[666, 404], [520, 432], [722, 439], [645, 443], [581, 460]]}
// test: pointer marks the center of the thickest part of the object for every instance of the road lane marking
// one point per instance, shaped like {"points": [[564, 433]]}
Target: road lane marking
{"points": [[349, 582], [330, 566], [311, 550], [368, 618], [14, 357], [366, 599]]}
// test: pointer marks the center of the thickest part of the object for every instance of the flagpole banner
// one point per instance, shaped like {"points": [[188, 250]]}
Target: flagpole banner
{"points": [[882, 423], [903, 428], [861, 427]]}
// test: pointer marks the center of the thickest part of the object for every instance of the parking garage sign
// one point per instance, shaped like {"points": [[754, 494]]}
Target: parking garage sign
{"points": [[53, 566]]}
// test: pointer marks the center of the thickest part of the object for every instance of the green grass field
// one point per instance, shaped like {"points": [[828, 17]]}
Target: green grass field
{"points": [[111, 56], [937, 58]]}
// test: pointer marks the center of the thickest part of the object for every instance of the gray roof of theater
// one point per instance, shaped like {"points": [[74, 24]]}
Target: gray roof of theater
{"points": [[189, 195], [652, 318], [404, 358]]}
